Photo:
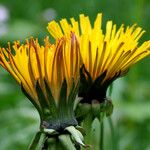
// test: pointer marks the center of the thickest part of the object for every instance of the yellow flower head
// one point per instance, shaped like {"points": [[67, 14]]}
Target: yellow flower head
{"points": [[48, 74], [106, 54]]}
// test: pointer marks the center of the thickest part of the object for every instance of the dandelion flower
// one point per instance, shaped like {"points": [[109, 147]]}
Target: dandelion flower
{"points": [[106, 54], [48, 75]]}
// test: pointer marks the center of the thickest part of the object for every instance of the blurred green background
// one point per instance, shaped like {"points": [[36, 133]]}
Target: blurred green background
{"points": [[21, 19]]}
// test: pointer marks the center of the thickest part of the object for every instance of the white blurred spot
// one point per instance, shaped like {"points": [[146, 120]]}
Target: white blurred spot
{"points": [[49, 14], [4, 15]]}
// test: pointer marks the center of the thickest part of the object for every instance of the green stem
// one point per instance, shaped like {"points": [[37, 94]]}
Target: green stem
{"points": [[113, 136], [35, 141], [58, 145], [102, 136], [87, 125]]}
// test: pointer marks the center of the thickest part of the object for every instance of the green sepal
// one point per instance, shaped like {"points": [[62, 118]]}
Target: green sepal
{"points": [[53, 108], [42, 100], [109, 108], [99, 79], [82, 70], [96, 109], [50, 131], [98, 89], [85, 83], [76, 135], [60, 115], [32, 101], [62, 105], [90, 89], [65, 110], [81, 129], [82, 110], [72, 96], [110, 89]]}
